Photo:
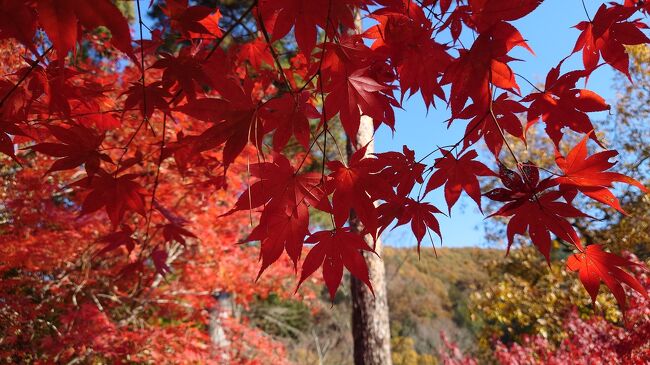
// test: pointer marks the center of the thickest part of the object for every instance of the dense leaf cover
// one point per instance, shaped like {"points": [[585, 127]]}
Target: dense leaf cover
{"points": [[593, 340], [187, 105]]}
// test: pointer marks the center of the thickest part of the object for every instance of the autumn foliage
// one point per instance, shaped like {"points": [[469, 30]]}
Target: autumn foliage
{"points": [[587, 341], [135, 144]]}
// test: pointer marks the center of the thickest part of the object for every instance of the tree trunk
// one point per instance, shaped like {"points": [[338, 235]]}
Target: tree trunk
{"points": [[370, 322], [222, 309]]}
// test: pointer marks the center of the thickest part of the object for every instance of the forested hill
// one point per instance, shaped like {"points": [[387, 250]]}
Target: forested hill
{"points": [[426, 295], [430, 293]]}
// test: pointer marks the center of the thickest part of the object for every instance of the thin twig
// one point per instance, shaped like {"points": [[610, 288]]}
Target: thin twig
{"points": [[33, 65], [586, 12], [144, 85], [274, 55], [157, 178], [230, 30]]}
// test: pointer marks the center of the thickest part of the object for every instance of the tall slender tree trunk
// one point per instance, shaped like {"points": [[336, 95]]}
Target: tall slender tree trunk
{"points": [[370, 322]]}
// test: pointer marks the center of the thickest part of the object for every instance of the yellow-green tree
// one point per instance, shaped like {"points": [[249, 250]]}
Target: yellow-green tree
{"points": [[403, 353], [524, 296]]}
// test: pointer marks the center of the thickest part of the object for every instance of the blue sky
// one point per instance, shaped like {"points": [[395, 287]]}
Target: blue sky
{"points": [[549, 32]]}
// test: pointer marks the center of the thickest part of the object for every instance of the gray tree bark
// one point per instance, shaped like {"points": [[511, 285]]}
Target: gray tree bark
{"points": [[370, 321], [222, 308]]}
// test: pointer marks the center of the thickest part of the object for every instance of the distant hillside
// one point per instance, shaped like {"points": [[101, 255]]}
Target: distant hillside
{"points": [[425, 296], [430, 293]]}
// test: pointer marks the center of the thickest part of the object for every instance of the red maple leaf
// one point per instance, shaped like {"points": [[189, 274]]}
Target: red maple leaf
{"points": [[355, 94], [193, 21], [185, 150], [281, 230], [280, 16], [420, 214], [60, 19], [588, 175], [458, 174], [60, 87], [334, 250], [236, 121], [415, 73], [256, 52], [18, 20], [483, 123], [186, 71], [595, 265], [356, 186], [9, 112], [6, 143], [91, 114], [291, 114], [159, 258], [176, 232], [211, 25], [486, 62], [117, 195], [485, 13], [533, 209], [15, 102], [116, 239], [148, 99], [641, 5], [285, 196], [561, 104], [79, 147], [459, 16], [353, 89], [279, 185], [404, 34], [204, 109], [607, 35], [401, 170]]}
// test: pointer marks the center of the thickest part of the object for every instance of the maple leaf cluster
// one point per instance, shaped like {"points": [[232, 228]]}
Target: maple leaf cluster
{"points": [[53, 309], [247, 99]]}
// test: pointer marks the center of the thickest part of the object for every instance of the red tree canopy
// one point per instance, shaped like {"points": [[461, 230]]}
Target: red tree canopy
{"points": [[134, 128]]}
